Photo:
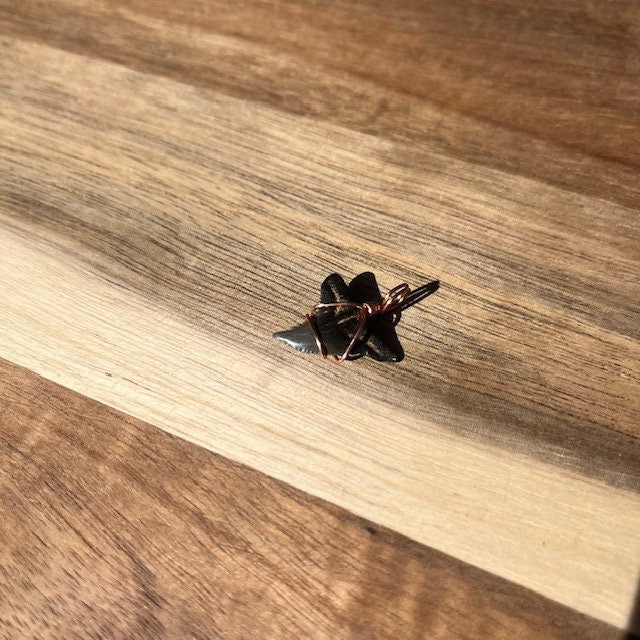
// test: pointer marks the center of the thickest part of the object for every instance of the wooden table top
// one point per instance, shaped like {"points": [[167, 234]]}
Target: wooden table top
{"points": [[177, 179]]}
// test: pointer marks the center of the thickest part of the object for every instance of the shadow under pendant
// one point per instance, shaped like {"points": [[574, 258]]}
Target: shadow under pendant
{"points": [[355, 320]]}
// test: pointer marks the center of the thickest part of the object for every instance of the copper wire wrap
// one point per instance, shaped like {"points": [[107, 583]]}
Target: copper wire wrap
{"points": [[393, 302]]}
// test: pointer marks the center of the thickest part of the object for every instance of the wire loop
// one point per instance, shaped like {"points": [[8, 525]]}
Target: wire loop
{"points": [[391, 303]]}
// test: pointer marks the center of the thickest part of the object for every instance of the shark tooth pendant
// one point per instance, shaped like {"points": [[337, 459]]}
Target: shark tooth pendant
{"points": [[355, 320]]}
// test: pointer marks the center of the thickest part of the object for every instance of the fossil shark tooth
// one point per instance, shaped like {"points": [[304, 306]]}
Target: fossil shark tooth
{"points": [[337, 325]]}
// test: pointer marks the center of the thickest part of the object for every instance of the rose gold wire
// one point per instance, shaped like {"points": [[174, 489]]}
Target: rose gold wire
{"points": [[391, 303]]}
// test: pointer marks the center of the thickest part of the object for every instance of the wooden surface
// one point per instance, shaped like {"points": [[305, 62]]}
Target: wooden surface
{"points": [[129, 532], [177, 179]]}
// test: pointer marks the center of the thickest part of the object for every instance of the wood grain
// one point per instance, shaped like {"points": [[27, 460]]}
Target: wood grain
{"points": [[152, 210], [115, 529], [547, 90]]}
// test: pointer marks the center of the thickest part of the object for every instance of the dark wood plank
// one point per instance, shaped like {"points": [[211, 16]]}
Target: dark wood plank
{"points": [[550, 90], [114, 529]]}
